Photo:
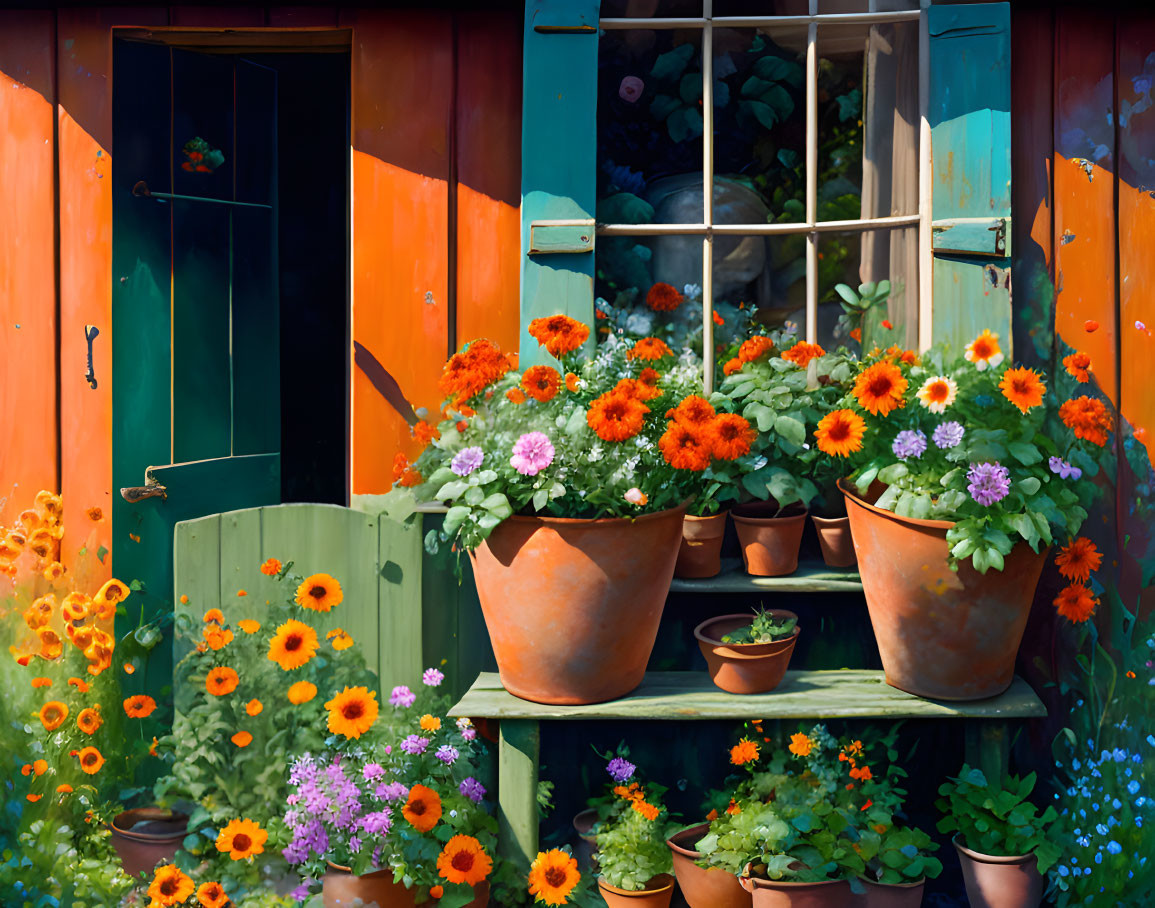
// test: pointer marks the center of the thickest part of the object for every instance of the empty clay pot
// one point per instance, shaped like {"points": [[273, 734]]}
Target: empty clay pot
{"points": [[657, 894], [701, 551], [146, 836], [573, 606], [770, 544], [994, 881], [744, 668], [703, 887], [341, 888], [782, 894], [835, 541], [892, 895]]}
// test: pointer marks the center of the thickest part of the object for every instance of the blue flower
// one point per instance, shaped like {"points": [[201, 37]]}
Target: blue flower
{"points": [[1112, 820], [1098, 857], [1114, 847], [1086, 871], [1116, 803], [1063, 870], [1101, 829], [1151, 740], [1140, 801], [1136, 758], [1084, 840], [1133, 786], [1120, 755], [1075, 764]]}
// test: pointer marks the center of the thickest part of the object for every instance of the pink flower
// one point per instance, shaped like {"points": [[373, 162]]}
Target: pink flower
{"points": [[631, 89], [532, 453]]}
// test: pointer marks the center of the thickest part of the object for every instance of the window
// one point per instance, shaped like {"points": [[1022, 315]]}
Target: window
{"points": [[794, 168]]}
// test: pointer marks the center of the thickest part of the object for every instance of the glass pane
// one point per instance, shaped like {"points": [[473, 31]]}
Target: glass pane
{"points": [[867, 121], [764, 272], [761, 8], [661, 9], [650, 126], [759, 125], [864, 257]]}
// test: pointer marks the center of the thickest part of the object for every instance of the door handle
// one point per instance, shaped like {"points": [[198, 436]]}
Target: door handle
{"points": [[151, 489]]}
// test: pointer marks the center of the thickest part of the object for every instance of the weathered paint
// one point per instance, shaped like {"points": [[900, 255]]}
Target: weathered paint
{"points": [[558, 156]]}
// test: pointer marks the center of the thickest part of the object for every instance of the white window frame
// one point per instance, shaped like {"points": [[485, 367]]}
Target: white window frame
{"points": [[811, 227]]}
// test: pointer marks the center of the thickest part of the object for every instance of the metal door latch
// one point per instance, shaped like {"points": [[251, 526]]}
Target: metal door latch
{"points": [[151, 489], [90, 333]]}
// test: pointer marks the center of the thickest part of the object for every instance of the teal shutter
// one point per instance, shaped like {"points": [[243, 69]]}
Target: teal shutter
{"points": [[558, 154], [970, 120]]}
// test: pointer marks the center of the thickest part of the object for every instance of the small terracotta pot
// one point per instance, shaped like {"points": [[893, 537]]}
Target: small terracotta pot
{"points": [[573, 606], [835, 541], [744, 668], [943, 634], [770, 544], [143, 848], [703, 887], [701, 551], [994, 881], [341, 887], [892, 895], [587, 846], [782, 894], [656, 894]]}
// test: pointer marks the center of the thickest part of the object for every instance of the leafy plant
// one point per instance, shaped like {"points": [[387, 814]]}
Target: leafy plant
{"points": [[997, 819], [904, 854], [857, 305], [631, 841], [765, 628]]}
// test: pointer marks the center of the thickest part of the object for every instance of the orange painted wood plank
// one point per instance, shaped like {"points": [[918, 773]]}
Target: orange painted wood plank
{"points": [[28, 455]]}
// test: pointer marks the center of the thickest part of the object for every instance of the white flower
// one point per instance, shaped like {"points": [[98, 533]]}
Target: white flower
{"points": [[690, 291], [639, 323], [937, 393], [636, 496]]}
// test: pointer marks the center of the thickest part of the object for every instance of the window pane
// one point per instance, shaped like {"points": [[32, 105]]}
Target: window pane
{"points": [[759, 125], [661, 9], [650, 127], [867, 121], [761, 7], [870, 256], [767, 272]]}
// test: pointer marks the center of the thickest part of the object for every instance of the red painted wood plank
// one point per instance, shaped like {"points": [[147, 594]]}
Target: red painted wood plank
{"points": [[217, 16], [302, 16]]}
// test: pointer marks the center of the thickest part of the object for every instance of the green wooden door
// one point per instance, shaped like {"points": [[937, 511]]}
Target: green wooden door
{"points": [[196, 399]]}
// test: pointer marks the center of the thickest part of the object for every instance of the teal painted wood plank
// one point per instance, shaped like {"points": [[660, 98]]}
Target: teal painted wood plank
{"points": [[196, 579], [988, 237], [850, 693], [559, 150], [518, 757], [811, 577]]}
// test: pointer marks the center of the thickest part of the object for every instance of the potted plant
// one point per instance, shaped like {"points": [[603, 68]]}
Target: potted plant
{"points": [[580, 472], [897, 873], [748, 656], [634, 861], [964, 466], [586, 823], [1001, 838]]}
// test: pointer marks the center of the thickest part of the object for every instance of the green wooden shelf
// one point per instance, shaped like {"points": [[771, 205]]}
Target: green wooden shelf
{"points": [[843, 694], [811, 577]]}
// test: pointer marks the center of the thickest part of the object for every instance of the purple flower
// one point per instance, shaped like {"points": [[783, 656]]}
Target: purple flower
{"points": [[414, 744], [468, 732], [948, 435], [301, 893], [373, 771], [532, 453], [432, 677], [909, 443], [466, 461], [1063, 469], [620, 770], [402, 696], [394, 791], [447, 754], [988, 483], [472, 789], [631, 89], [376, 823]]}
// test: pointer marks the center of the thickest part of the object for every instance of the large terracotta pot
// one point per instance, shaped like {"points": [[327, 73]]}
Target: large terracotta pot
{"points": [[657, 894], [942, 634], [770, 544], [341, 888], [573, 606], [587, 844], [700, 554], [835, 541], [703, 887], [783, 894], [993, 881], [146, 836], [744, 668], [892, 895]]}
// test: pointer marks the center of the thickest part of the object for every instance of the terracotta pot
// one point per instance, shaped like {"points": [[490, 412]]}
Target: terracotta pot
{"points": [[703, 887], [835, 541], [341, 887], [573, 606], [770, 544], [993, 881], [942, 634], [782, 894], [587, 845], [701, 552], [146, 836], [656, 894], [892, 895], [744, 668]]}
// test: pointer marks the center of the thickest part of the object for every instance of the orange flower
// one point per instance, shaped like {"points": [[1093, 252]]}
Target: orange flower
{"points": [[718, 320], [90, 760], [64, 789], [686, 447], [733, 807], [1088, 418], [41, 682], [294, 644], [1079, 366], [840, 433], [731, 436], [880, 388], [319, 592], [39, 767], [249, 626], [472, 370], [553, 876], [572, 383], [352, 712], [1076, 603], [52, 714], [216, 638], [221, 680], [430, 723], [89, 721], [755, 348], [254, 707], [663, 297], [271, 568], [616, 417], [1078, 559], [463, 860], [694, 411], [76, 606], [33, 798], [984, 351], [712, 815], [242, 739], [139, 706], [801, 354], [212, 895], [113, 591], [559, 334], [745, 751], [646, 809], [241, 839], [649, 349], [732, 366], [856, 334], [214, 615], [862, 773], [541, 383], [423, 809], [515, 396], [302, 692], [1023, 387], [54, 572], [801, 745], [80, 684], [39, 613], [425, 433]]}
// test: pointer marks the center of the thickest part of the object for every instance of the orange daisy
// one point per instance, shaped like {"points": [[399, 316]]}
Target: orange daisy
{"points": [[541, 383], [352, 712], [663, 297], [271, 568], [214, 615], [39, 613], [840, 433], [553, 876], [425, 433], [694, 411], [242, 739], [1023, 387], [745, 751], [559, 334], [463, 860], [52, 715], [880, 388], [755, 348], [801, 745], [732, 366], [686, 447], [241, 839], [572, 383], [294, 644], [731, 436], [319, 592], [41, 682], [169, 886], [302, 692], [423, 809], [984, 351], [646, 809], [1076, 603], [801, 354], [221, 680], [254, 707], [473, 369], [1078, 365], [649, 349], [515, 396], [616, 416], [1078, 559], [212, 895], [89, 721], [1088, 418], [91, 760], [139, 706], [51, 646], [249, 626]]}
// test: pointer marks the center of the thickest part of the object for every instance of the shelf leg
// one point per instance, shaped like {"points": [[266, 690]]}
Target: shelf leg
{"points": [[988, 747], [518, 751]]}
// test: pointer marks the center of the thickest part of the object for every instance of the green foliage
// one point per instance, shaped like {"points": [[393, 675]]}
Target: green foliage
{"points": [[997, 819], [632, 846], [857, 305], [904, 854], [765, 628]]}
